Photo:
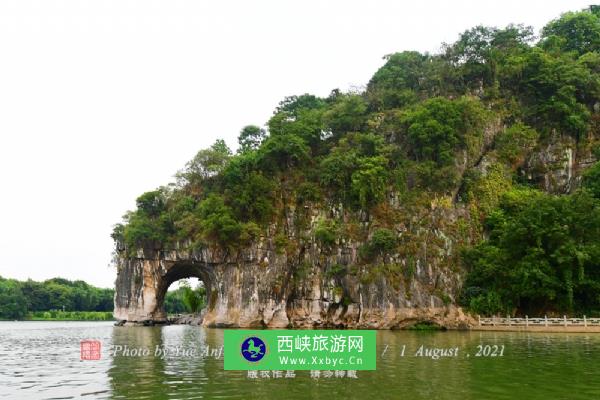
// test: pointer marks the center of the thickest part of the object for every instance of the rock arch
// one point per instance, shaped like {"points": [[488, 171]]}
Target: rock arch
{"points": [[177, 271], [262, 287], [232, 288]]}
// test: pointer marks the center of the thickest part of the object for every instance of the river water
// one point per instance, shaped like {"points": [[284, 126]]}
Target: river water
{"points": [[42, 360]]}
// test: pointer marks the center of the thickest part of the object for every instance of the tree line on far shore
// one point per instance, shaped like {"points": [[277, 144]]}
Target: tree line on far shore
{"points": [[62, 299], [23, 299]]}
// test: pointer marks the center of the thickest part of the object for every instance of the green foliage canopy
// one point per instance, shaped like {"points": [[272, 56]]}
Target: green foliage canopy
{"points": [[542, 254]]}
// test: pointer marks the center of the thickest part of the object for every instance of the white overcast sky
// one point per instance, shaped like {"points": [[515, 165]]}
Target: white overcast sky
{"points": [[103, 100]]}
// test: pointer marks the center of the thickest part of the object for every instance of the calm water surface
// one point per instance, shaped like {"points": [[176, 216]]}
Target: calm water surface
{"points": [[41, 360]]}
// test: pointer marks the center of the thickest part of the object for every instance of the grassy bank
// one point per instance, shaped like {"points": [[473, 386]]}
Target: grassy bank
{"points": [[69, 316]]}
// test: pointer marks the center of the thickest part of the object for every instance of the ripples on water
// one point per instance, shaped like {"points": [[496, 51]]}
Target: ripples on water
{"points": [[41, 360]]}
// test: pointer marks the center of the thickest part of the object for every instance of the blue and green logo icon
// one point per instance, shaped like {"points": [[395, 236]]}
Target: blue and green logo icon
{"points": [[253, 349]]}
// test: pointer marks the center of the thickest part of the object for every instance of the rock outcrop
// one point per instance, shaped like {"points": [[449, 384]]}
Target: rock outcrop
{"points": [[558, 165], [264, 289], [303, 283]]}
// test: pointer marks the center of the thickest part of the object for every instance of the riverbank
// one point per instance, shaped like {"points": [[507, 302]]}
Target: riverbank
{"points": [[544, 329], [175, 319], [546, 325], [67, 316], [558, 325], [195, 321], [186, 319]]}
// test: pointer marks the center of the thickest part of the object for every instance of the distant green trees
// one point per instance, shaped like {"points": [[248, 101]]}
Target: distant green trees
{"points": [[18, 298], [57, 315], [46, 300], [194, 299], [173, 302], [185, 299], [13, 304]]}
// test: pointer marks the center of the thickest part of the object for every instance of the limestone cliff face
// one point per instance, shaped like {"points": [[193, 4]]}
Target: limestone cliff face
{"points": [[303, 283], [261, 288], [556, 166], [307, 285]]}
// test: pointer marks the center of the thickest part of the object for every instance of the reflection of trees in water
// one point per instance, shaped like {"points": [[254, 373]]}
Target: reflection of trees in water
{"points": [[141, 374], [534, 366], [538, 365], [416, 377], [175, 375]]}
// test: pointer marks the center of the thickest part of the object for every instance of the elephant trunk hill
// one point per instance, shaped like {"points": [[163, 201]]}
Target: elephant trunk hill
{"points": [[454, 184]]}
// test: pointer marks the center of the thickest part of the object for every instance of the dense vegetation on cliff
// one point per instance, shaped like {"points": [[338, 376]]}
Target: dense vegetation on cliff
{"points": [[454, 130]]}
